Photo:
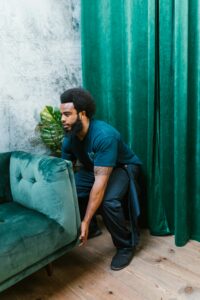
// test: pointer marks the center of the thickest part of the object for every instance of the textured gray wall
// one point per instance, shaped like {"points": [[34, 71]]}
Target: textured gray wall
{"points": [[39, 58]]}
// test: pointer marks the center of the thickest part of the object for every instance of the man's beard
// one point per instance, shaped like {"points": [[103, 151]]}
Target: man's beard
{"points": [[76, 127]]}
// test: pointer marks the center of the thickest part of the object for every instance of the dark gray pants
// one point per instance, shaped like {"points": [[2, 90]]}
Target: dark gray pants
{"points": [[114, 204]]}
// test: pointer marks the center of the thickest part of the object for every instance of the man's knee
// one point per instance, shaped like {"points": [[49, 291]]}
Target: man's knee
{"points": [[111, 205], [117, 185]]}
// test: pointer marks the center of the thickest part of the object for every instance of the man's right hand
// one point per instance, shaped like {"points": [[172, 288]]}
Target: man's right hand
{"points": [[84, 233]]}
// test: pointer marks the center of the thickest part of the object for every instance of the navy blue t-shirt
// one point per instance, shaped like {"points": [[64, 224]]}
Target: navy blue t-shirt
{"points": [[102, 146]]}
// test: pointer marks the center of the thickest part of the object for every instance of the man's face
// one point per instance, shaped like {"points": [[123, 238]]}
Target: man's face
{"points": [[70, 118]]}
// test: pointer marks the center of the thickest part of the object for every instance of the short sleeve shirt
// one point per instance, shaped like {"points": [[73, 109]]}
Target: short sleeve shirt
{"points": [[102, 146]]}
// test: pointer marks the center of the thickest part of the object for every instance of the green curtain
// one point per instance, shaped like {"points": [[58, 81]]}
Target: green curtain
{"points": [[141, 62]]}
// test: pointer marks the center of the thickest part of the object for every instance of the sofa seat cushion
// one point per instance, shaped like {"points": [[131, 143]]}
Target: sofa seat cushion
{"points": [[26, 237]]}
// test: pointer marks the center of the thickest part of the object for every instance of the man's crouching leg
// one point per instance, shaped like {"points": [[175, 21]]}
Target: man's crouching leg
{"points": [[115, 221]]}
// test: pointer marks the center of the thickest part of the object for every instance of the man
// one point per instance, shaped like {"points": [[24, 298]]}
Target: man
{"points": [[106, 179]]}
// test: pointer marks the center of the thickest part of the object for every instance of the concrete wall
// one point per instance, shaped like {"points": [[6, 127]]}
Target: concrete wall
{"points": [[39, 58]]}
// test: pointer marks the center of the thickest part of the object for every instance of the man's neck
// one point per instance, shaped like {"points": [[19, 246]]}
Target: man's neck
{"points": [[81, 135]]}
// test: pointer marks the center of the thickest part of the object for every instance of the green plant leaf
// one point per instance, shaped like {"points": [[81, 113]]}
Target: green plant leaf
{"points": [[50, 128]]}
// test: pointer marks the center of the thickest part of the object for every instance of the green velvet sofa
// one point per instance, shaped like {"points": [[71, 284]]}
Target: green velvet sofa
{"points": [[39, 215]]}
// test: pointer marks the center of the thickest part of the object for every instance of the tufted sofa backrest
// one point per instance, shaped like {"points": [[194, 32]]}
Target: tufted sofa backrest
{"points": [[45, 184]]}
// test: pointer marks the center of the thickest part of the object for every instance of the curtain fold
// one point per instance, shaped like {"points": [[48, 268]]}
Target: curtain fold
{"points": [[186, 120], [141, 62]]}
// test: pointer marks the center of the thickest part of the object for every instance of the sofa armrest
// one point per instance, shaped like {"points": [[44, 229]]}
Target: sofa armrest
{"points": [[45, 184]]}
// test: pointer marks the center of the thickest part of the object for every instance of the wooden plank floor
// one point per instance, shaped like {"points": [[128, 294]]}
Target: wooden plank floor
{"points": [[159, 270]]}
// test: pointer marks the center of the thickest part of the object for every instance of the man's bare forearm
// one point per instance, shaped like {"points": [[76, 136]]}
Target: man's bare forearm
{"points": [[102, 175], [95, 200]]}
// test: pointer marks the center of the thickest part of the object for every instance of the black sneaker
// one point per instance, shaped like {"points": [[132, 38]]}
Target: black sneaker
{"points": [[122, 258]]}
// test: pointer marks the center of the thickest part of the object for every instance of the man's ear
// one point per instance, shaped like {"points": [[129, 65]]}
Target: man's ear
{"points": [[82, 114]]}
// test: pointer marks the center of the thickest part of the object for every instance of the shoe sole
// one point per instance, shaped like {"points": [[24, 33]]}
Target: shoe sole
{"points": [[118, 269]]}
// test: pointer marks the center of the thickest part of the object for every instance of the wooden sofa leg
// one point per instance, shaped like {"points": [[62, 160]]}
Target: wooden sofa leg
{"points": [[49, 269]]}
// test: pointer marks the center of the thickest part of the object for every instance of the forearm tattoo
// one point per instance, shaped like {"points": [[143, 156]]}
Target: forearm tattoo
{"points": [[102, 171]]}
